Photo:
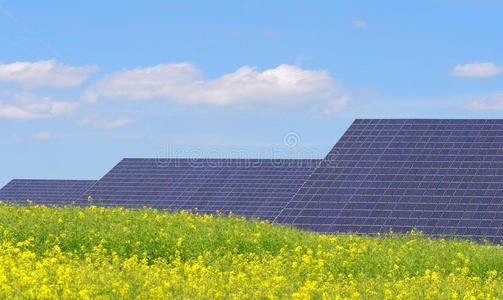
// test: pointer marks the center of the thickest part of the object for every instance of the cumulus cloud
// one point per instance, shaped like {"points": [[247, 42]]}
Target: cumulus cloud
{"points": [[486, 69], [493, 102], [284, 85], [145, 83], [29, 106], [105, 124], [359, 24], [45, 73]]}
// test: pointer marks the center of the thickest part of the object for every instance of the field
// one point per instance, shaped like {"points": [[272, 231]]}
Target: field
{"points": [[142, 253]]}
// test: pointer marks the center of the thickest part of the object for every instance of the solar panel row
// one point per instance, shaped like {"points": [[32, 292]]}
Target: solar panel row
{"points": [[253, 188], [47, 192], [443, 177]]}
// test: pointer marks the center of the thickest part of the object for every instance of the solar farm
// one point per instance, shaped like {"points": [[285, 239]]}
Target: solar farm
{"points": [[438, 176], [398, 208]]}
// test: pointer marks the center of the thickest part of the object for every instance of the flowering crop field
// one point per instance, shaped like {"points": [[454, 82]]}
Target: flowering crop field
{"points": [[115, 253]]}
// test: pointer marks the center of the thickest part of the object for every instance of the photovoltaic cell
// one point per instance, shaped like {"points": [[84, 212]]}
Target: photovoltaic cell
{"points": [[443, 177], [248, 187], [46, 192]]}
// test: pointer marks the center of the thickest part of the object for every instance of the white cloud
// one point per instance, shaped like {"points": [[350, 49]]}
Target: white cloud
{"points": [[45, 73], [41, 136], [284, 85], [104, 124], [493, 102], [359, 24], [144, 83], [486, 69], [29, 106], [337, 105], [14, 112]]}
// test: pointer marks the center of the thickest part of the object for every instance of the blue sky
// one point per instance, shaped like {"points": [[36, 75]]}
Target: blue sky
{"points": [[84, 84]]}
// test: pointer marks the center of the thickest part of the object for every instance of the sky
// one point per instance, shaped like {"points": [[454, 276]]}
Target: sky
{"points": [[84, 84]]}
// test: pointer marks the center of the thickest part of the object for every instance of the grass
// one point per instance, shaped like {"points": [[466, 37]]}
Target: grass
{"points": [[117, 253]]}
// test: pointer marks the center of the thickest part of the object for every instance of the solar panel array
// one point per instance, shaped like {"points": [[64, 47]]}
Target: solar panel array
{"points": [[249, 187], [443, 177], [47, 192]]}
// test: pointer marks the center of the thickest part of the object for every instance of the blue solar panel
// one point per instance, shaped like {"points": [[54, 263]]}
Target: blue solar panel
{"points": [[46, 192], [444, 177], [248, 187]]}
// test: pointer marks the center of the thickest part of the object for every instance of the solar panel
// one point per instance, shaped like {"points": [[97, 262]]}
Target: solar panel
{"points": [[248, 187], [443, 177], [46, 192]]}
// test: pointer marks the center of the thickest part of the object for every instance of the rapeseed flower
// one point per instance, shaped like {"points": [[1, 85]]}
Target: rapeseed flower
{"points": [[148, 254]]}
